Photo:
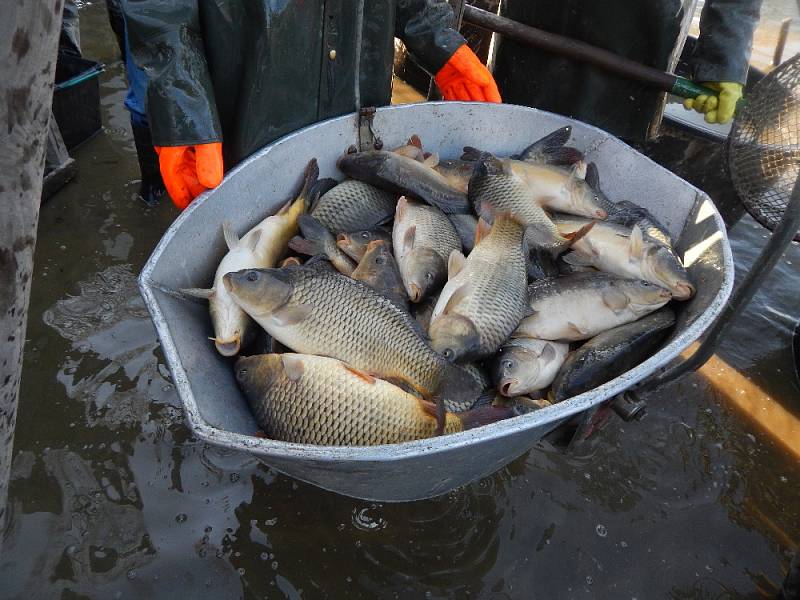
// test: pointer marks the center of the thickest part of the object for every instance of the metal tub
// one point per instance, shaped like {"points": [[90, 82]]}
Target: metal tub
{"points": [[189, 252]]}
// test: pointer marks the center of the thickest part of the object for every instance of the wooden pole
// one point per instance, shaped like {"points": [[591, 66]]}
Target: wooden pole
{"points": [[29, 38]]}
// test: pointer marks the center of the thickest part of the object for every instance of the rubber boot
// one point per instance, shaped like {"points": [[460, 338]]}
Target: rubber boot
{"points": [[151, 190]]}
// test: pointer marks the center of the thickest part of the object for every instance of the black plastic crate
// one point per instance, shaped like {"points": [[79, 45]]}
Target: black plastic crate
{"points": [[76, 99]]}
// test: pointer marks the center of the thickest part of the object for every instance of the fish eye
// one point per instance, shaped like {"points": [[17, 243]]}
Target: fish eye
{"points": [[365, 235], [379, 260], [646, 284], [429, 276], [242, 372], [252, 276], [448, 354], [507, 364], [596, 198]]}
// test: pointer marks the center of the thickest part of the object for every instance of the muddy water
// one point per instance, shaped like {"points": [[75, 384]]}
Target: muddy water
{"points": [[112, 497]]}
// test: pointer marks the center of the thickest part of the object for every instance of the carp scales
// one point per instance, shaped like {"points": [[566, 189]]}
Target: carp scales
{"points": [[313, 309], [319, 400], [485, 295], [353, 205]]}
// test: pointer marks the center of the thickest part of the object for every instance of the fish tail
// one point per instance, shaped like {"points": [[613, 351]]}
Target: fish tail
{"points": [[310, 178], [457, 385], [436, 410], [484, 415], [304, 246]]}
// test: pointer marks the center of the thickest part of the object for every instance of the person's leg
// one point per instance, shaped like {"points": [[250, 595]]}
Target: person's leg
{"points": [[151, 188]]}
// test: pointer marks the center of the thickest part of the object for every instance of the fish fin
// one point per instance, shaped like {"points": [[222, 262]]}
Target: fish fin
{"points": [[408, 238], [482, 230], [455, 262], [360, 374], [573, 327], [312, 229], [285, 208], [431, 160], [310, 178], [551, 149], [203, 293], [292, 366], [322, 187], [592, 176], [576, 235], [471, 154], [291, 315], [457, 297], [528, 311], [304, 246], [415, 141], [615, 300], [231, 237], [252, 239], [578, 170], [435, 410], [484, 415], [548, 353], [636, 243], [291, 261], [401, 208], [576, 260]]}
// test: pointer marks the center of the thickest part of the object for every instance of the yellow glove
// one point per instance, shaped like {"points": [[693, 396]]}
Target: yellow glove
{"points": [[719, 108]]}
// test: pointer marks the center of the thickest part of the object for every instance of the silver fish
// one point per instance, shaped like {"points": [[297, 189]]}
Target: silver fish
{"points": [[423, 239], [579, 306]]}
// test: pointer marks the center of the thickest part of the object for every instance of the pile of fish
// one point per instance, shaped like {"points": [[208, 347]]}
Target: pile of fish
{"points": [[422, 296]]}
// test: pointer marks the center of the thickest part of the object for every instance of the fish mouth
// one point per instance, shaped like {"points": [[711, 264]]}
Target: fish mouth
{"points": [[506, 387], [228, 347], [683, 290], [415, 293], [600, 214]]}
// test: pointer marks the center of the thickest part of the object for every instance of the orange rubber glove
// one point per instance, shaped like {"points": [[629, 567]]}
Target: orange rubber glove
{"points": [[464, 77], [188, 171]]}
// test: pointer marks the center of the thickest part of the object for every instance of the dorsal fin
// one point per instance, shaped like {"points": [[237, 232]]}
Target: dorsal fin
{"points": [[592, 177], [636, 243], [231, 237]]}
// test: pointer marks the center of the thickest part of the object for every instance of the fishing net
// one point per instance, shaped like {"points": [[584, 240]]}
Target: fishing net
{"points": [[764, 144]]}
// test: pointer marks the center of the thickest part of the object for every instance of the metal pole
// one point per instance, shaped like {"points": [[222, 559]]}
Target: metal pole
{"points": [[780, 45], [577, 50], [29, 32], [781, 237]]}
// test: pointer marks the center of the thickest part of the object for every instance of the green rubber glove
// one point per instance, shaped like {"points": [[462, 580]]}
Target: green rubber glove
{"points": [[719, 108]]}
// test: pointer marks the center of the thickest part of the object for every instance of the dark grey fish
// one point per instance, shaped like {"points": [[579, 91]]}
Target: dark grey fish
{"points": [[317, 240], [611, 354], [355, 243], [403, 175], [379, 271], [352, 206]]}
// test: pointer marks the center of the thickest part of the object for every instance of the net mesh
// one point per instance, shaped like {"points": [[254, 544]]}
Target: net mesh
{"points": [[764, 144]]}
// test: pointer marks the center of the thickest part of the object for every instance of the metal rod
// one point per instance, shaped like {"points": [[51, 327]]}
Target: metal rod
{"points": [[781, 237], [780, 45], [559, 44]]}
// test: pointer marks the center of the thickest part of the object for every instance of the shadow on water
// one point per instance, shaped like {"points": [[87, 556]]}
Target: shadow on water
{"points": [[112, 497]]}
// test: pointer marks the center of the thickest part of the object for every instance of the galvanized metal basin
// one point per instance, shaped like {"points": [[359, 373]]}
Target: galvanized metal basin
{"points": [[189, 252]]}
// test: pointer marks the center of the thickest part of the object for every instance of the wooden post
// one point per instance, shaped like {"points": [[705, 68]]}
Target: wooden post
{"points": [[29, 37]]}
